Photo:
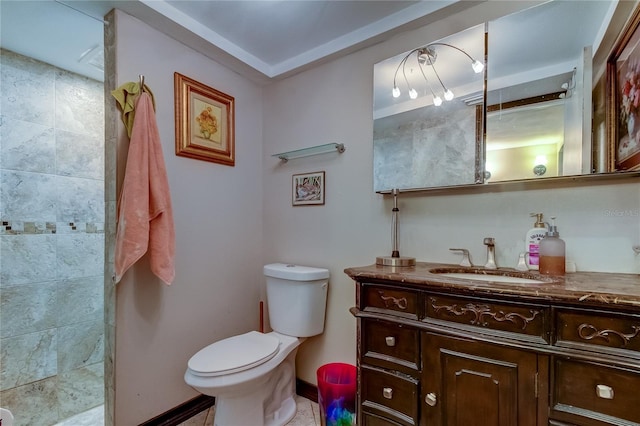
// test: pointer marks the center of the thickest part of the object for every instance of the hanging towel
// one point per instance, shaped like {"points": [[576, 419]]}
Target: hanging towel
{"points": [[126, 96], [145, 217]]}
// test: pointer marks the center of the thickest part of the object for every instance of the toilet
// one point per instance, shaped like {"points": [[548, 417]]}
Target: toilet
{"points": [[252, 375]]}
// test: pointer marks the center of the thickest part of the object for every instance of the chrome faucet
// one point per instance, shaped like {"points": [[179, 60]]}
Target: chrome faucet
{"points": [[466, 257], [491, 253]]}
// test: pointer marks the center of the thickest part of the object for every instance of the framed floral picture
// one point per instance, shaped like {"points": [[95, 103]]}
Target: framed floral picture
{"points": [[308, 189], [623, 75], [204, 122]]}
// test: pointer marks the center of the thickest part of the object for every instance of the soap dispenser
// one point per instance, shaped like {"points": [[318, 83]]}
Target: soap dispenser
{"points": [[552, 252], [532, 241]]}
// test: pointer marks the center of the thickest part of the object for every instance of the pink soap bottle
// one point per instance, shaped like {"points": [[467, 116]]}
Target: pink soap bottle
{"points": [[552, 252]]}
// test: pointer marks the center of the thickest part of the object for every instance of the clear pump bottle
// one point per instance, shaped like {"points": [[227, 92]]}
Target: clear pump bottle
{"points": [[552, 252]]}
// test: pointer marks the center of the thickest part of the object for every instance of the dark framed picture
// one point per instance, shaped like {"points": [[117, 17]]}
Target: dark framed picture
{"points": [[623, 77]]}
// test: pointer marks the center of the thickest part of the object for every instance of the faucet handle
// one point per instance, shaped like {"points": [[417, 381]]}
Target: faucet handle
{"points": [[490, 242], [466, 257], [522, 264]]}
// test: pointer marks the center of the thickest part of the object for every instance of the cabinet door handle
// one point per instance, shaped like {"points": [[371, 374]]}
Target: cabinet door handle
{"points": [[387, 393], [604, 391], [390, 340], [390, 301], [431, 399]]}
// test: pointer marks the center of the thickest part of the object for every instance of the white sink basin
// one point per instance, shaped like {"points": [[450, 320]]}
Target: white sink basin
{"points": [[493, 278]]}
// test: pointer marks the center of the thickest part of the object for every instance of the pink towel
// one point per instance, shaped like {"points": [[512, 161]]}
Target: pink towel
{"points": [[145, 218]]}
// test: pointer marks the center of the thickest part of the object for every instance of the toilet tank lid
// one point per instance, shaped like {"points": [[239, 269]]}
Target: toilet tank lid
{"points": [[292, 272]]}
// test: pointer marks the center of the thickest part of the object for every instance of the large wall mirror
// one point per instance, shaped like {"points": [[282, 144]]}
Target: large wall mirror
{"points": [[532, 120]]}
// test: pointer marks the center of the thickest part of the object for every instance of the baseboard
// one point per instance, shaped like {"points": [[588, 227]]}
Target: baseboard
{"points": [[182, 412], [185, 411], [307, 390]]}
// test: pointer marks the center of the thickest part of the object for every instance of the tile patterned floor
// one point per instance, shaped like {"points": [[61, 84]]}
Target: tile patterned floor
{"points": [[308, 414]]}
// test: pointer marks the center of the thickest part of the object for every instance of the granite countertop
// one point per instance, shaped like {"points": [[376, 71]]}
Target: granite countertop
{"points": [[587, 288]]}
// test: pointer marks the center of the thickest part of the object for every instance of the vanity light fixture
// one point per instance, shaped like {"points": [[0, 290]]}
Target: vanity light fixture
{"points": [[539, 170], [540, 167], [568, 86], [426, 56]]}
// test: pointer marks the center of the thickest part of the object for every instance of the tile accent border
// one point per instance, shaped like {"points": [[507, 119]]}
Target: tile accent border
{"points": [[19, 227]]}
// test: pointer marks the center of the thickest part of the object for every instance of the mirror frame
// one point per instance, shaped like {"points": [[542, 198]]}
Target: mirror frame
{"points": [[529, 184]]}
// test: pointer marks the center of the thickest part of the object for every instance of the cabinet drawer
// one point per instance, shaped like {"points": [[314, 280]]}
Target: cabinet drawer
{"points": [[594, 391], [390, 345], [527, 320], [600, 330], [390, 300], [373, 420], [390, 395]]}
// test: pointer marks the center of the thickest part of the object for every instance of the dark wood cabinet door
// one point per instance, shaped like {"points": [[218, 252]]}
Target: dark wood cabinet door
{"points": [[467, 383]]}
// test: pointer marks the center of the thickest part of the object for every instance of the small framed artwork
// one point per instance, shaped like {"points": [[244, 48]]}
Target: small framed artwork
{"points": [[623, 76], [204, 122], [308, 189]]}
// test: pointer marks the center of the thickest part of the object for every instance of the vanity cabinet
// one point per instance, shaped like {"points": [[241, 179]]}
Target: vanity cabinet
{"points": [[466, 380], [440, 351]]}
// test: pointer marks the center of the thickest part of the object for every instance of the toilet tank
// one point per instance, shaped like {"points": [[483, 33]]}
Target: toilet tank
{"points": [[297, 298]]}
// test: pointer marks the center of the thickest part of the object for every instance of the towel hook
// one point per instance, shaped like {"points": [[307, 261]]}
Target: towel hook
{"points": [[141, 83]]}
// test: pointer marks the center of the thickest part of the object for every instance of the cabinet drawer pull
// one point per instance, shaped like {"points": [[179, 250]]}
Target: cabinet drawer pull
{"points": [[604, 391], [431, 399], [390, 301], [387, 393], [390, 340]]}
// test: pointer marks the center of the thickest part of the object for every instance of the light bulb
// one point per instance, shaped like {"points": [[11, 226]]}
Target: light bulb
{"points": [[395, 92], [448, 95], [477, 66], [413, 94], [540, 159], [437, 100]]}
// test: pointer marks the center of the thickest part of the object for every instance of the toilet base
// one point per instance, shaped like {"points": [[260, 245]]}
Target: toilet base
{"points": [[269, 403]]}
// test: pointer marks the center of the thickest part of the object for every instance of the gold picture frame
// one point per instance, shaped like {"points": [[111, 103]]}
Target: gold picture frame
{"points": [[204, 122], [308, 189]]}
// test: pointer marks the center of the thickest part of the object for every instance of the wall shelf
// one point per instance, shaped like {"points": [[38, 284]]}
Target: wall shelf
{"points": [[307, 152]]}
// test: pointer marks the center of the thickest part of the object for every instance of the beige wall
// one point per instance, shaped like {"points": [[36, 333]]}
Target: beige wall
{"points": [[218, 222], [333, 103], [231, 221]]}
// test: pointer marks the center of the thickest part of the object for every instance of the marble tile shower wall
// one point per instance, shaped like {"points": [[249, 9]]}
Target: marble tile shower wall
{"points": [[51, 241]]}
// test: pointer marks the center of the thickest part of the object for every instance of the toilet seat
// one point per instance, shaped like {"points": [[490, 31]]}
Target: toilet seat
{"points": [[234, 354]]}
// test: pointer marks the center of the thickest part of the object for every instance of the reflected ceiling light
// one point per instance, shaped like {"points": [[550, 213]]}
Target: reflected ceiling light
{"points": [[426, 56], [541, 159], [540, 167], [437, 100], [568, 86], [540, 170]]}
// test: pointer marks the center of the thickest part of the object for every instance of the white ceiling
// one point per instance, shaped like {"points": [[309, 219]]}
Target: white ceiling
{"points": [[262, 39]]}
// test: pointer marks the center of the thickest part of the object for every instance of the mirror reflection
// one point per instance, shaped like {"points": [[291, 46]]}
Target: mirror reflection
{"points": [[539, 90], [425, 121], [538, 103]]}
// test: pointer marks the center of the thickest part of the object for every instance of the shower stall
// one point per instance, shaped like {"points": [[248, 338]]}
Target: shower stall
{"points": [[51, 241]]}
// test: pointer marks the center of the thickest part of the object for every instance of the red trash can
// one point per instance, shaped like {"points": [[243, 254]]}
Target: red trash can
{"points": [[337, 385]]}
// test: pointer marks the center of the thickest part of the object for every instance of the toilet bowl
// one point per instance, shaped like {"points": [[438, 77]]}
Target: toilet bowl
{"points": [[6, 418], [252, 375]]}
